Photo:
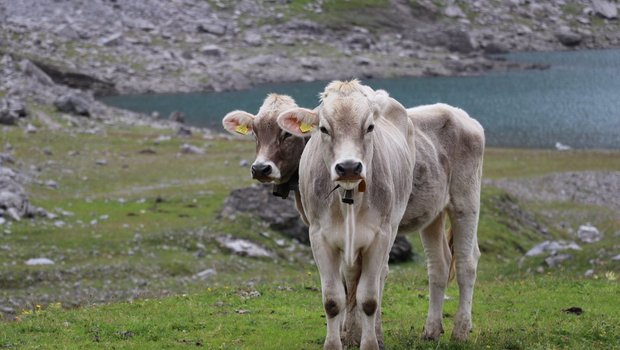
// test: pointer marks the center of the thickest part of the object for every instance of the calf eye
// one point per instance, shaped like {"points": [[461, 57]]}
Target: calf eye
{"points": [[324, 130], [371, 127], [286, 135]]}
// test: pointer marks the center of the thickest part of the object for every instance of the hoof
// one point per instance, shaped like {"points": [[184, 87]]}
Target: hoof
{"points": [[432, 332], [332, 345], [461, 330]]}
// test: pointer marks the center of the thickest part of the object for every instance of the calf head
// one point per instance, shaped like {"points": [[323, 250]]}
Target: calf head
{"points": [[346, 122], [277, 151]]}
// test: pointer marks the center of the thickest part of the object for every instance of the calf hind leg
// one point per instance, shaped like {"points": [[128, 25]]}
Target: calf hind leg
{"points": [[438, 262], [464, 219]]}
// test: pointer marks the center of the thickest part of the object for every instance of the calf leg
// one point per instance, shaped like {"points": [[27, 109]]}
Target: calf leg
{"points": [[464, 212], [438, 259], [352, 331], [334, 298], [369, 292]]}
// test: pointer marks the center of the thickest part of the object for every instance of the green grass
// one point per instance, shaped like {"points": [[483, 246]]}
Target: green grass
{"points": [[525, 314], [162, 224]]}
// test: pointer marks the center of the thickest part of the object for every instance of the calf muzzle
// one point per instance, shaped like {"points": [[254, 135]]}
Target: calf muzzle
{"points": [[261, 172], [349, 170]]}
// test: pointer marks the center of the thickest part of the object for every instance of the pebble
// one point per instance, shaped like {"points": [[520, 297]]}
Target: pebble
{"points": [[39, 261]]}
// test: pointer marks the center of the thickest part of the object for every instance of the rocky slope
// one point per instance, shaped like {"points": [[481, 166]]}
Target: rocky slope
{"points": [[108, 46]]}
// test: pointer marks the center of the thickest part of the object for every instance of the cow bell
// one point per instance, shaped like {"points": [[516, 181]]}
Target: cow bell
{"points": [[347, 197]]}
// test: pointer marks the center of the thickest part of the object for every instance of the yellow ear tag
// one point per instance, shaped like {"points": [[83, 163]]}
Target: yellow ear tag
{"points": [[242, 129], [305, 127]]}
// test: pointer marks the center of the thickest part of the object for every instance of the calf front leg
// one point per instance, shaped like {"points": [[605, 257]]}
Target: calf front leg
{"points": [[369, 290], [334, 298]]}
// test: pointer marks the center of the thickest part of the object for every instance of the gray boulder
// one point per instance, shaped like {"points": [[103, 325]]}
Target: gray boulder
{"points": [[211, 50], [495, 47], [401, 250], [213, 27], [459, 41], [556, 260], [282, 216], [453, 11], [253, 39], [279, 214], [177, 116], [568, 37], [589, 234], [73, 103], [605, 9], [11, 110], [32, 70], [13, 200]]}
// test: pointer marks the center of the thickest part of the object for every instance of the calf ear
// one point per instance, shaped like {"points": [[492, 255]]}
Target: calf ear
{"points": [[238, 122], [298, 121]]}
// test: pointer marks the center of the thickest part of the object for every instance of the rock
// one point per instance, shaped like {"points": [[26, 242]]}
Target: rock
{"points": [[589, 234], [616, 258], [456, 40], [13, 199], [32, 70], [360, 39], [244, 247], [568, 37], [401, 250], [67, 31], [279, 214], [111, 40], [495, 47], [73, 103], [7, 118], [184, 131], [205, 274], [552, 247], [51, 184], [244, 163], [453, 11], [562, 147], [77, 80], [101, 162], [211, 50], [605, 9], [11, 110], [190, 149], [213, 27], [555, 260], [363, 61], [589, 273], [177, 116], [7, 310], [253, 39], [162, 138], [39, 261], [30, 129]]}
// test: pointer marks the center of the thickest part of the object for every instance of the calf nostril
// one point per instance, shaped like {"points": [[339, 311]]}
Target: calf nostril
{"points": [[340, 170], [358, 168], [260, 170], [266, 170]]}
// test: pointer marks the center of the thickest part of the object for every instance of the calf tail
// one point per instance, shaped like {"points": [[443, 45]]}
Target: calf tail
{"points": [[450, 240]]}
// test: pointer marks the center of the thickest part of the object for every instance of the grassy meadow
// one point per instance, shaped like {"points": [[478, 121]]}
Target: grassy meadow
{"points": [[134, 231]]}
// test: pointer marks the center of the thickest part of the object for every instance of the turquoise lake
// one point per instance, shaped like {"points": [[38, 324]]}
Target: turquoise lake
{"points": [[576, 101]]}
